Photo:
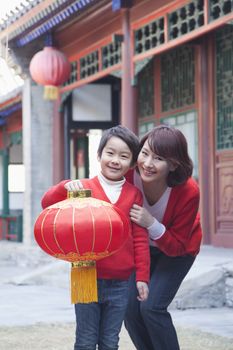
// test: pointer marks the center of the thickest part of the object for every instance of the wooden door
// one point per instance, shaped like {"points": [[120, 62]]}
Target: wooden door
{"points": [[223, 233]]}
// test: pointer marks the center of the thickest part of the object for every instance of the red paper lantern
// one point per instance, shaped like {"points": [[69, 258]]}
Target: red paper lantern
{"points": [[50, 68], [81, 231]]}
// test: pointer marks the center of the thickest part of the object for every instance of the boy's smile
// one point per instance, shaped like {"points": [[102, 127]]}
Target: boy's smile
{"points": [[115, 159]]}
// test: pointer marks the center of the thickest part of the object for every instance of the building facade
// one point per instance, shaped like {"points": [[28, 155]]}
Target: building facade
{"points": [[139, 63], [11, 166]]}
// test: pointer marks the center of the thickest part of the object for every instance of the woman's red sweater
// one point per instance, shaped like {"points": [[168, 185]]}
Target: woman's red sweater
{"points": [[183, 233]]}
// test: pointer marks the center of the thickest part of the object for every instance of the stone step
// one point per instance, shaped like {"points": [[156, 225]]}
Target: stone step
{"points": [[212, 289]]}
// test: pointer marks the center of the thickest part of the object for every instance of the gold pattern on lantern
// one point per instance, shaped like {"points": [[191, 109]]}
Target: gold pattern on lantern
{"points": [[73, 257], [54, 231], [74, 232], [42, 232], [85, 202]]}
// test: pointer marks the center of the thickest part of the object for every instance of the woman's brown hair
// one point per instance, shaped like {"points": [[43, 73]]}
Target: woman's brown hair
{"points": [[171, 144]]}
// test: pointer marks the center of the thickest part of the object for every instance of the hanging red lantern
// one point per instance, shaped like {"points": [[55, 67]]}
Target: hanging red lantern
{"points": [[81, 231], [50, 68]]}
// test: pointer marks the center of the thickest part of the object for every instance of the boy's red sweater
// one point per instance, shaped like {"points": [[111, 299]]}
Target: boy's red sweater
{"points": [[134, 255]]}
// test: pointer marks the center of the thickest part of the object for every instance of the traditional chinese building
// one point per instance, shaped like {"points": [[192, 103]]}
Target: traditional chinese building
{"points": [[11, 165], [139, 63]]}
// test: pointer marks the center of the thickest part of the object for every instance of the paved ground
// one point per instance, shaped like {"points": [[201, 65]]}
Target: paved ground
{"points": [[61, 337], [35, 312]]}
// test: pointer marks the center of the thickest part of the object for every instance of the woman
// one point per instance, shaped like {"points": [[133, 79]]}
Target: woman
{"points": [[170, 213]]}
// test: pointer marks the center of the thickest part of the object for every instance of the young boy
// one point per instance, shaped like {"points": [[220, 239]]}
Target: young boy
{"points": [[100, 323]]}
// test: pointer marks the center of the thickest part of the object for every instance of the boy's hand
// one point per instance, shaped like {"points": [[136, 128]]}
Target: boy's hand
{"points": [[74, 185], [143, 290], [141, 216]]}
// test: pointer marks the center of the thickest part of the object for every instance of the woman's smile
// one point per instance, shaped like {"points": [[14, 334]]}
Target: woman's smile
{"points": [[148, 172]]}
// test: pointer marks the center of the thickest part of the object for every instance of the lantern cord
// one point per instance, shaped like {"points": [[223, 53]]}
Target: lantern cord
{"points": [[49, 39], [84, 282]]}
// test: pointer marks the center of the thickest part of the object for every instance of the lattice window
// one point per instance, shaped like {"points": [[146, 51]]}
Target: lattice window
{"points": [[224, 87], [146, 91], [73, 73], [186, 19], [149, 36], [145, 127], [187, 124], [111, 55], [219, 8], [89, 64], [177, 79]]}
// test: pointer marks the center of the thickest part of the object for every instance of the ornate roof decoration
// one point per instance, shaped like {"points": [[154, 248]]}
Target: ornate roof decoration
{"points": [[10, 77], [47, 15], [11, 98], [18, 12], [9, 110], [9, 104]]}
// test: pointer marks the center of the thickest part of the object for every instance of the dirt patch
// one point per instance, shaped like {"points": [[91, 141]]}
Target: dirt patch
{"points": [[61, 337]]}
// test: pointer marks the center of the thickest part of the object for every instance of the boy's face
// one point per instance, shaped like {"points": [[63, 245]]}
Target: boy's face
{"points": [[115, 159]]}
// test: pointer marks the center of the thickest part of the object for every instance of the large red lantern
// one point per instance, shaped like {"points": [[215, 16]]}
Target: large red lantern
{"points": [[81, 231], [50, 68]]}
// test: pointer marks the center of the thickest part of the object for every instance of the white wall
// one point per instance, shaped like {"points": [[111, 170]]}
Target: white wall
{"points": [[16, 200], [92, 103], [94, 139]]}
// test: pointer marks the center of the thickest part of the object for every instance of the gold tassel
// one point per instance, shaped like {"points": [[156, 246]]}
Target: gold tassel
{"points": [[51, 92], [83, 282]]}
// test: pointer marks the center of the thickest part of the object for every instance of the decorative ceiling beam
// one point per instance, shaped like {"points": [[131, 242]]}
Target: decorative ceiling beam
{"points": [[10, 109], [53, 21], [10, 101], [40, 19], [121, 4]]}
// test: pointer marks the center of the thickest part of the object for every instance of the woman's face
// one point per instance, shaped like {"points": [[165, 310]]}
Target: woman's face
{"points": [[151, 166]]}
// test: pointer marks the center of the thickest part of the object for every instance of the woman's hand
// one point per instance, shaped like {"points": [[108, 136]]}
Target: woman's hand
{"points": [[74, 185], [141, 216], [143, 290]]}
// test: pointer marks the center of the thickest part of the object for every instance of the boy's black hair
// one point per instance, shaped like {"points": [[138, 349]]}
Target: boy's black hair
{"points": [[125, 135]]}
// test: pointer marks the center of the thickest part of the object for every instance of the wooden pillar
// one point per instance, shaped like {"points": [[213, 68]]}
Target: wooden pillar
{"points": [[5, 163], [58, 143], [128, 117], [205, 130]]}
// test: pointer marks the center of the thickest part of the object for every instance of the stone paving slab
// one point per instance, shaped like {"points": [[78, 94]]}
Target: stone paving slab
{"points": [[61, 337], [218, 321], [35, 309], [29, 304]]}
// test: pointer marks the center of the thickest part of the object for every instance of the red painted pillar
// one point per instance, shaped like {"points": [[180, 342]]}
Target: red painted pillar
{"points": [[58, 144], [128, 115]]}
